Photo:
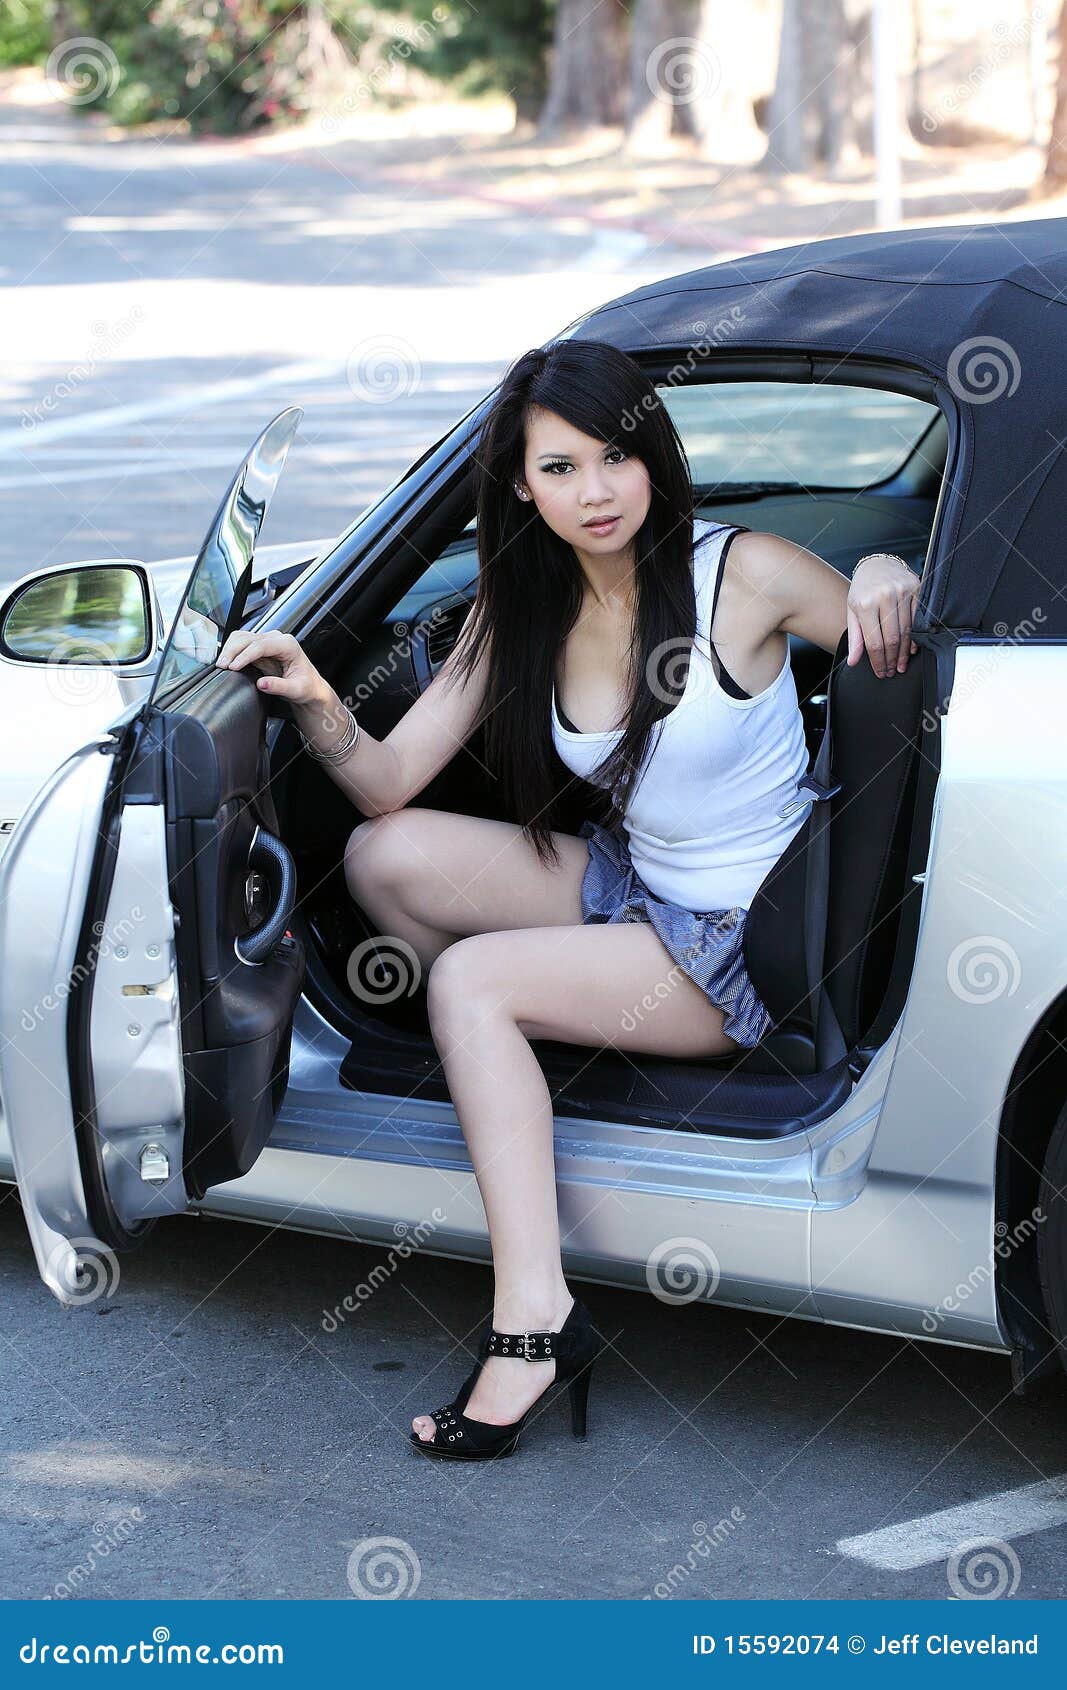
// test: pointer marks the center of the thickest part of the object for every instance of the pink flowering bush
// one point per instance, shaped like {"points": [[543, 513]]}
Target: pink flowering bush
{"points": [[224, 66]]}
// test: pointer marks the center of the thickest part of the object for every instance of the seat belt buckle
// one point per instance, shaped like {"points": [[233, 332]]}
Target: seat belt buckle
{"points": [[818, 791]]}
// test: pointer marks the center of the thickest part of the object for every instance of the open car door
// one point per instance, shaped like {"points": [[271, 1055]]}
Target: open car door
{"points": [[148, 979]]}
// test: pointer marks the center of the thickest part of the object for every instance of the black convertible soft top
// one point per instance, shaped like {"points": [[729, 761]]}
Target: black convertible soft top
{"points": [[974, 310]]}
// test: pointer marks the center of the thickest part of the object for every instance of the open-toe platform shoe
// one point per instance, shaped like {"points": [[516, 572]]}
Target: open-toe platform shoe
{"points": [[574, 1348]]}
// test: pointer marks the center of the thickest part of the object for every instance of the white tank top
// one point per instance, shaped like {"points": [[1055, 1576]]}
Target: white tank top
{"points": [[702, 824]]}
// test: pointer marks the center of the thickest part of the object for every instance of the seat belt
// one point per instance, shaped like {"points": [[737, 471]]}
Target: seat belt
{"points": [[829, 1045]]}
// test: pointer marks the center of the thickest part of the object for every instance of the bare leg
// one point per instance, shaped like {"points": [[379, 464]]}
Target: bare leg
{"points": [[432, 876], [488, 995]]}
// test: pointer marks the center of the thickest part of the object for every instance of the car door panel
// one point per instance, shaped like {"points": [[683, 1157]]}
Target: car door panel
{"points": [[207, 757], [151, 978], [143, 1061]]}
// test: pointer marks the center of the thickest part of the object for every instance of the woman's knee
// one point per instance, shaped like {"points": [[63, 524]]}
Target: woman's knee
{"points": [[380, 852], [464, 982]]}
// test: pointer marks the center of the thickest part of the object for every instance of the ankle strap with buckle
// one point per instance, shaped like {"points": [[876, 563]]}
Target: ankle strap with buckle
{"points": [[531, 1346]]}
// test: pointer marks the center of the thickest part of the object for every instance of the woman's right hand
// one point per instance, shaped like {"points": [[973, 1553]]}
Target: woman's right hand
{"points": [[290, 673]]}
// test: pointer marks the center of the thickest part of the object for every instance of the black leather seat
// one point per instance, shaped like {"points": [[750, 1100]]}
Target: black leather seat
{"points": [[876, 731], [771, 1091]]}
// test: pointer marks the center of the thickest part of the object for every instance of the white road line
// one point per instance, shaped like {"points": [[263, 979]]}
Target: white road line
{"points": [[156, 462], [60, 428], [359, 434], [934, 1537]]}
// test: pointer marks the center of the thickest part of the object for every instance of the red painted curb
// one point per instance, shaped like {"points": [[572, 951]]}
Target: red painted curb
{"points": [[723, 239]]}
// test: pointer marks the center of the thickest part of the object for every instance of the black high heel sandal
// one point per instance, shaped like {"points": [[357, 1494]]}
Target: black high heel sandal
{"points": [[574, 1347]]}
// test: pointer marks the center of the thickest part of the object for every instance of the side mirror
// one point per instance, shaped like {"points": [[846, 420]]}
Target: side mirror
{"points": [[101, 614]]}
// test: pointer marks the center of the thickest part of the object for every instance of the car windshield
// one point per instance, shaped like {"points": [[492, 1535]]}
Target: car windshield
{"points": [[793, 434], [223, 567]]}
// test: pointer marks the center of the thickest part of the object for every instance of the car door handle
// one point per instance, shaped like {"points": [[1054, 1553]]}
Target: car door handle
{"points": [[268, 855]]}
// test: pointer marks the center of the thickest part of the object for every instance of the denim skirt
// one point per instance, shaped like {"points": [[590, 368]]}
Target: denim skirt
{"points": [[706, 943]]}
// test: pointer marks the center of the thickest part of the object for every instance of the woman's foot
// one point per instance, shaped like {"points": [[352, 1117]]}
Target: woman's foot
{"points": [[508, 1385]]}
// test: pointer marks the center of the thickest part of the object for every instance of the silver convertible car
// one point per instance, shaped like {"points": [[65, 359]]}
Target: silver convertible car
{"points": [[195, 1015]]}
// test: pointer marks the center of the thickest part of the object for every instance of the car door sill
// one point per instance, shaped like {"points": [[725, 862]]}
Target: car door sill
{"points": [[667, 1093], [322, 1114]]}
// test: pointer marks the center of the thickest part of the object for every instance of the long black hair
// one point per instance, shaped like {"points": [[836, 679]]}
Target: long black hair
{"points": [[531, 585]]}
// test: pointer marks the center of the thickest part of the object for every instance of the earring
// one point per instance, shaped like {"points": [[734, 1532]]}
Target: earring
{"points": [[520, 492]]}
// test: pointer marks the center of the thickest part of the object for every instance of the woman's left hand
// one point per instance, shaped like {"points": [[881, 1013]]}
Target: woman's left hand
{"points": [[881, 602]]}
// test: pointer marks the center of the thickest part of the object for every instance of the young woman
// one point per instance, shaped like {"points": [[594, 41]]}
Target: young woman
{"points": [[589, 653]]}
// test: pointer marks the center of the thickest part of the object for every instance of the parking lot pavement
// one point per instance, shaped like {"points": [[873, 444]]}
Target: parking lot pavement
{"points": [[215, 1430]]}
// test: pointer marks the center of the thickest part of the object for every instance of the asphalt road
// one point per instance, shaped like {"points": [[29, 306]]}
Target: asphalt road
{"points": [[200, 1433], [205, 1432]]}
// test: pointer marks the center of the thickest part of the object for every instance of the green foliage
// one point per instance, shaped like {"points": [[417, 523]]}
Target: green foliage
{"points": [[231, 65], [25, 32], [498, 46], [223, 65]]}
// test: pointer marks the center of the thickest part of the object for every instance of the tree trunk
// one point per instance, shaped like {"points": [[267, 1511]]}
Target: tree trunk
{"points": [[787, 129], [1055, 177], [62, 24], [672, 70], [829, 64], [529, 98], [587, 81], [820, 105]]}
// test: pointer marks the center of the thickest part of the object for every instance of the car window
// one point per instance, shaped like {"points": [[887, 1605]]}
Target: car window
{"points": [[808, 435], [737, 434], [454, 570]]}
